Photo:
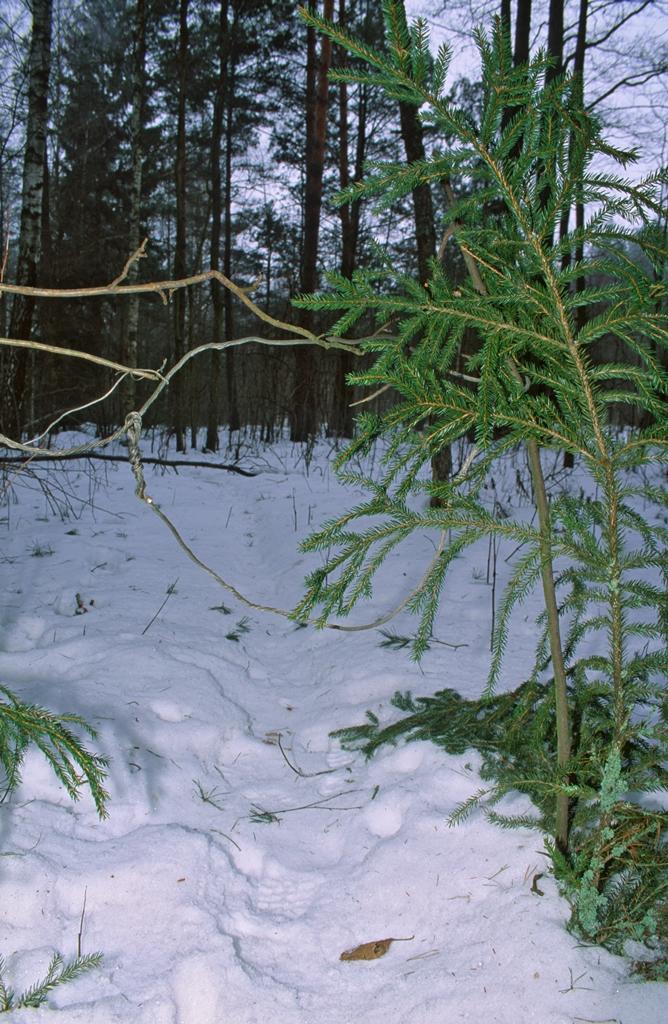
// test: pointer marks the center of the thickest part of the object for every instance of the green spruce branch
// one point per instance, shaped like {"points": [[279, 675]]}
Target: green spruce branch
{"points": [[23, 725], [58, 973], [531, 380]]}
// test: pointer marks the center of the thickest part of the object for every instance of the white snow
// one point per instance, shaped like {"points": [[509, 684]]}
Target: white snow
{"points": [[205, 913]]}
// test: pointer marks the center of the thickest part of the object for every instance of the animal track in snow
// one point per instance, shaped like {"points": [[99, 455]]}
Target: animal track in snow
{"points": [[384, 818], [406, 759], [23, 634], [197, 991], [339, 758], [167, 711], [285, 895]]}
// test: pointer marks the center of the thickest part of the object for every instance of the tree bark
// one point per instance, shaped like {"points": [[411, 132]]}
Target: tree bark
{"points": [[129, 347], [520, 53], [522, 32], [505, 16], [580, 313], [15, 362], [342, 422], [555, 39], [233, 418], [578, 96], [555, 50], [215, 152], [180, 172], [423, 206], [425, 238], [304, 411]]}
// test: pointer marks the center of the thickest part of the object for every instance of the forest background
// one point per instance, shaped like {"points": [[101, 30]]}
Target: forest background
{"points": [[211, 130], [177, 167]]}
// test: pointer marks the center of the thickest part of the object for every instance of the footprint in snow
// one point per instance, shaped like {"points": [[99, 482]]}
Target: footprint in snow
{"points": [[405, 759], [167, 711], [285, 895], [384, 818], [339, 758], [23, 634]]}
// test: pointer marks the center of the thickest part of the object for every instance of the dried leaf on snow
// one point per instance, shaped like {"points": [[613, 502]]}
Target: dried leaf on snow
{"points": [[371, 950]]}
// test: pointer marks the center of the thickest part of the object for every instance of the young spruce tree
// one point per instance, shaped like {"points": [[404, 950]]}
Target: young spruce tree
{"points": [[590, 726]]}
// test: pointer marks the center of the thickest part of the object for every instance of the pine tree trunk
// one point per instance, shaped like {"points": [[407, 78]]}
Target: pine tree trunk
{"points": [[520, 54], [342, 420], [129, 348], [304, 410], [215, 152], [580, 313], [555, 50], [425, 237], [505, 15], [180, 171], [578, 96], [423, 206], [555, 39], [15, 362], [522, 28], [233, 418], [522, 32], [4, 256]]}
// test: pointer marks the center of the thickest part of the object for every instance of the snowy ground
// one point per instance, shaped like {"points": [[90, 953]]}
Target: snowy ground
{"points": [[205, 914]]}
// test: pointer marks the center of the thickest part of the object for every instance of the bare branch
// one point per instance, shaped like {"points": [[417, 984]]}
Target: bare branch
{"points": [[88, 357], [150, 461], [140, 254], [77, 450], [617, 25], [630, 82], [133, 430], [133, 422], [163, 380], [370, 398], [162, 288], [78, 408]]}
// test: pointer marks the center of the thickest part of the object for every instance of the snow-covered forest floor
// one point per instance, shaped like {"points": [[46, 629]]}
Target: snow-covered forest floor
{"points": [[231, 874]]}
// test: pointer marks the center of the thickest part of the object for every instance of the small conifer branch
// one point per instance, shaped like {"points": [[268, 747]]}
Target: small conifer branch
{"points": [[58, 973], [407, 600], [24, 724]]}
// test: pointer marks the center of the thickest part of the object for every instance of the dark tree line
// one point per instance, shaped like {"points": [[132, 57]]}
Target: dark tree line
{"points": [[212, 128]]}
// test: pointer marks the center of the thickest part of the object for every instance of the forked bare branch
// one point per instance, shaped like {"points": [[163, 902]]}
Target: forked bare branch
{"points": [[133, 424]]}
